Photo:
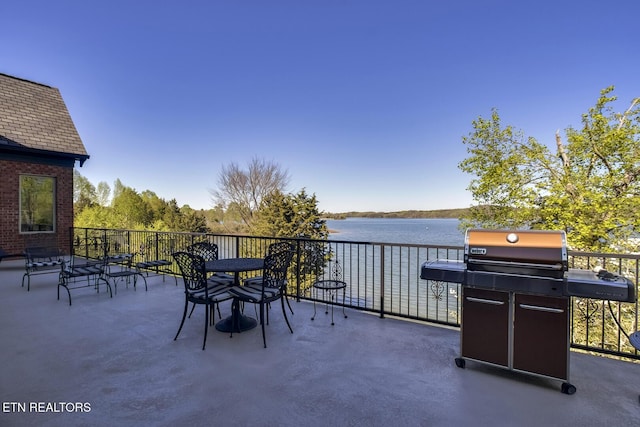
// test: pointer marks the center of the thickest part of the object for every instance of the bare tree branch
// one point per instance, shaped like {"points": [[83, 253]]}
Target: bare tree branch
{"points": [[245, 189], [561, 151]]}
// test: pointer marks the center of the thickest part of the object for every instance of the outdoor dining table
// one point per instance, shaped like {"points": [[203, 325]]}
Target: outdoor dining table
{"points": [[236, 322]]}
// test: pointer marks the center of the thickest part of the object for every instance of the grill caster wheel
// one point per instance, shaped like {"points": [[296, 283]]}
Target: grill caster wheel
{"points": [[568, 388], [460, 362]]}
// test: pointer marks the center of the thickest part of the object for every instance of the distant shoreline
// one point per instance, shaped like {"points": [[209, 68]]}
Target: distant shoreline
{"points": [[440, 213]]}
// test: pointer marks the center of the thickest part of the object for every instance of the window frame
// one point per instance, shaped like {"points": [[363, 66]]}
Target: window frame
{"points": [[41, 189]]}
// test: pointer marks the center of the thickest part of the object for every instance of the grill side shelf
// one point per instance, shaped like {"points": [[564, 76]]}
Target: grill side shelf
{"points": [[586, 284], [443, 271]]}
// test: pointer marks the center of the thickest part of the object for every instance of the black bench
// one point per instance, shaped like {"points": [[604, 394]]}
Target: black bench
{"points": [[41, 260], [80, 273]]}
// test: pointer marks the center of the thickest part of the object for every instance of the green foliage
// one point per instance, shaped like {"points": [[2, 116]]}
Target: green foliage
{"points": [[289, 215], [131, 210], [96, 216], [84, 193], [295, 216], [589, 187], [192, 221]]}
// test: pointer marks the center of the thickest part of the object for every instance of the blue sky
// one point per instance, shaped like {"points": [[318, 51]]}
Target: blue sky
{"points": [[363, 102]]}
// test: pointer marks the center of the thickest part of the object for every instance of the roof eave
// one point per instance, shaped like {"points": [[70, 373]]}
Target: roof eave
{"points": [[43, 154]]}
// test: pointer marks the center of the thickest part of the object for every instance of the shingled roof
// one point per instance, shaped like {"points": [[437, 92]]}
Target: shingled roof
{"points": [[34, 120]]}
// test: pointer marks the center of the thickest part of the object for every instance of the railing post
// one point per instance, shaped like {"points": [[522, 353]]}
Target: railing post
{"points": [[297, 270], [382, 281], [157, 245]]}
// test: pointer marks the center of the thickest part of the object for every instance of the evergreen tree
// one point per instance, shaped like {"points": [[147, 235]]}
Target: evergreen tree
{"points": [[287, 215]]}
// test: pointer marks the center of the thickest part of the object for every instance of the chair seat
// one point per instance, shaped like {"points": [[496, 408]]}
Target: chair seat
{"points": [[153, 263], [256, 282], [82, 271], [250, 294], [216, 288], [40, 264], [214, 280], [253, 281], [215, 296], [123, 273], [224, 276]]}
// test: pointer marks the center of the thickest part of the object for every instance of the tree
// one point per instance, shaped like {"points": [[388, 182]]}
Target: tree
{"points": [[156, 205], [589, 187], [130, 208], [295, 216], [192, 221], [246, 189], [288, 215], [103, 191], [84, 193], [96, 216]]}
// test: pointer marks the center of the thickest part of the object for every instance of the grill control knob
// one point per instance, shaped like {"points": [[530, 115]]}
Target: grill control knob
{"points": [[512, 238]]}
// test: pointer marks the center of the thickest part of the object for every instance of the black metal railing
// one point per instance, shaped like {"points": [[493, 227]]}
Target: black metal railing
{"points": [[384, 278]]}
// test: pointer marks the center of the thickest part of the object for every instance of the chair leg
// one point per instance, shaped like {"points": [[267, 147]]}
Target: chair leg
{"points": [[286, 296], [264, 338], [285, 315], [212, 318], [184, 315], [206, 325], [192, 308], [143, 278]]}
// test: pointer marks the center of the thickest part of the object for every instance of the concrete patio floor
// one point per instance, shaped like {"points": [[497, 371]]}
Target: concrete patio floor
{"points": [[116, 356]]}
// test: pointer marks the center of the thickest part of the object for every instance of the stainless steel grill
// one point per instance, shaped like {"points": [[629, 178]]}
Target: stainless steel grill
{"points": [[531, 262], [516, 286]]}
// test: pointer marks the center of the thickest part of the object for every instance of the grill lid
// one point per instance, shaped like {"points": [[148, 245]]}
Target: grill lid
{"points": [[530, 252]]}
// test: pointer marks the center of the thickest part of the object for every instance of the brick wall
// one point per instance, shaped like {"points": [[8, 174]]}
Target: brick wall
{"points": [[11, 240]]}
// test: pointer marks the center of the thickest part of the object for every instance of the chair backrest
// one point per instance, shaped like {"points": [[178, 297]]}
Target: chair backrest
{"points": [[275, 268], [192, 269], [278, 247], [207, 250]]}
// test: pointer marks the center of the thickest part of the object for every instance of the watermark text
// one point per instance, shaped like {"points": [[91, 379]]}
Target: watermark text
{"points": [[59, 407]]}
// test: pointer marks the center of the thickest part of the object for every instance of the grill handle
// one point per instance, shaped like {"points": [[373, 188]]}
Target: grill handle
{"points": [[485, 301], [495, 262], [539, 308]]}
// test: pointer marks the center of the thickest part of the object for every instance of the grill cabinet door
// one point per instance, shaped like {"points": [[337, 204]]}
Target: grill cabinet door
{"points": [[485, 325], [540, 339]]}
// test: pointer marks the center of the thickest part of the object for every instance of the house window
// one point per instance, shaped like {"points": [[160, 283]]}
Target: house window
{"points": [[37, 207]]}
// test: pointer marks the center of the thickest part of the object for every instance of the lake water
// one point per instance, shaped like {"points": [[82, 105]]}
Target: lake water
{"points": [[427, 231]]}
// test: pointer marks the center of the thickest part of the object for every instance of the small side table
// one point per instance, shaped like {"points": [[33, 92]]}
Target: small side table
{"points": [[331, 287]]}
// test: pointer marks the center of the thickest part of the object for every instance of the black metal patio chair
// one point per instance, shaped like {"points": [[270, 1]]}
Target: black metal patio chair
{"points": [[119, 268], [198, 290], [271, 289], [209, 251], [256, 281]]}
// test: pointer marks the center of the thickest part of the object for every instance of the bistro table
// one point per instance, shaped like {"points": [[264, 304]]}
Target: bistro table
{"points": [[331, 287], [236, 322]]}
